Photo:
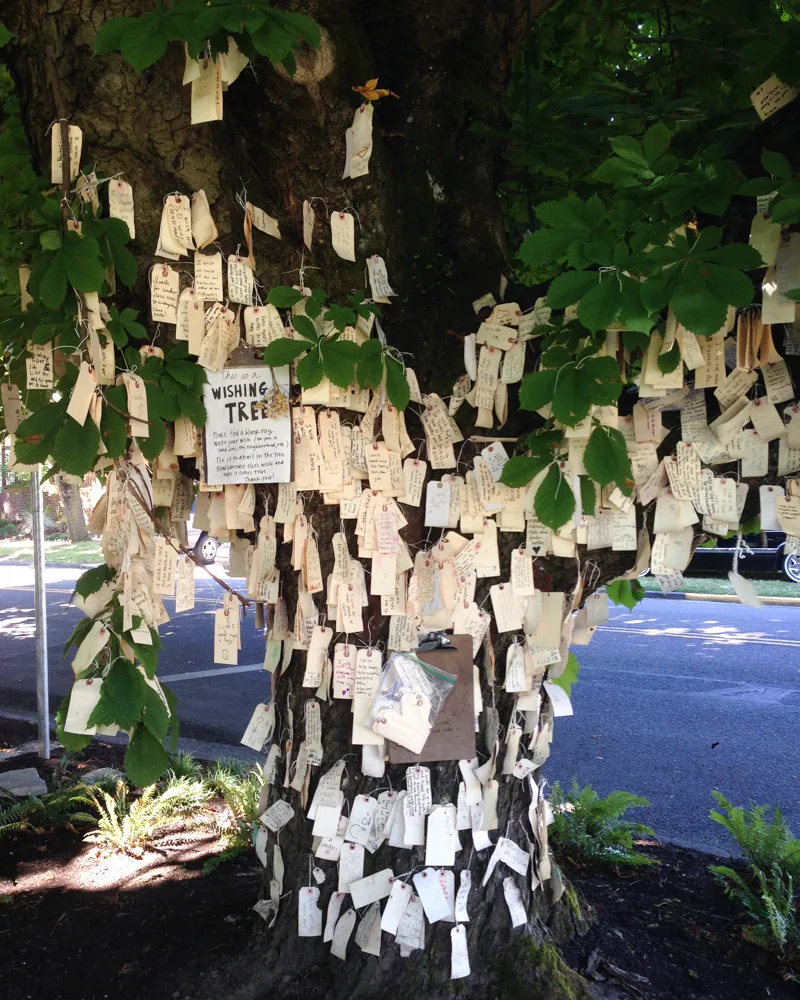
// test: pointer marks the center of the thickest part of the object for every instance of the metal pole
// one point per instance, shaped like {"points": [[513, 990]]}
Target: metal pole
{"points": [[40, 603]]}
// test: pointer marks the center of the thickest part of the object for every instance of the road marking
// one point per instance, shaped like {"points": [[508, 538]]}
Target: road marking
{"points": [[199, 674], [52, 590], [727, 640]]}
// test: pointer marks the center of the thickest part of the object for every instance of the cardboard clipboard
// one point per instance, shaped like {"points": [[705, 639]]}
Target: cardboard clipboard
{"points": [[453, 733]]}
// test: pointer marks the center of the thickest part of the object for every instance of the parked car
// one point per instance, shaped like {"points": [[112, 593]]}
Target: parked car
{"points": [[763, 554], [205, 548]]}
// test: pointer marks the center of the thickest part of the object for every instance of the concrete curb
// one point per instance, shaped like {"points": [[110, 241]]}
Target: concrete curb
{"points": [[793, 602]]}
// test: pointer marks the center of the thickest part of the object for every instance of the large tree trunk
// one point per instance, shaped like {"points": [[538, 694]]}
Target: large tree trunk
{"points": [[70, 494], [428, 207]]}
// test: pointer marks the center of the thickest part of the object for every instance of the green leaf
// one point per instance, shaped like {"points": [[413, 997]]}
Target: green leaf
{"points": [[568, 676], [284, 297], [786, 211], [554, 503], [738, 255], [339, 359], [155, 715], [396, 383], [708, 238], [621, 173], [146, 759], [174, 723], [5, 35], [669, 362], [83, 263], [113, 427], [50, 239], [305, 328], [571, 402], [53, 283], [122, 697], [299, 24], [93, 579], [310, 370], [156, 440], [536, 389], [141, 46], [623, 592], [544, 247], [77, 635], [656, 142], [75, 448], [629, 149], [588, 496], [370, 365], [109, 37], [606, 458], [598, 308], [521, 469], [283, 351], [776, 164], [570, 287], [146, 655]]}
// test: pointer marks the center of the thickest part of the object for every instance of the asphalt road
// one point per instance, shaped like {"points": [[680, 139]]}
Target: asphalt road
{"points": [[674, 699]]}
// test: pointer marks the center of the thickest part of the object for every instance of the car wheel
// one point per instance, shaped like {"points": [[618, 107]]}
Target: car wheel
{"points": [[791, 568], [206, 549]]}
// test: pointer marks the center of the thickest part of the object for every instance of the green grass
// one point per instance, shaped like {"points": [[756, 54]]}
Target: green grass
{"points": [[765, 586], [55, 553]]}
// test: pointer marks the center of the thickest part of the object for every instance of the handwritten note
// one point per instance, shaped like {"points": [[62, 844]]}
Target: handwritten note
{"points": [[248, 426]]}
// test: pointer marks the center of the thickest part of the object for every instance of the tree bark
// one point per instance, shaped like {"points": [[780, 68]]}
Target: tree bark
{"points": [[428, 206], [73, 510]]}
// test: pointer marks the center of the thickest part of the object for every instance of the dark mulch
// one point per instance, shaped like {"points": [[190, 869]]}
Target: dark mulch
{"points": [[671, 925], [80, 924]]}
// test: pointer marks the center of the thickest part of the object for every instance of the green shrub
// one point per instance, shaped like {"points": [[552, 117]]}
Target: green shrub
{"points": [[766, 843], [765, 892], [66, 808], [8, 530], [588, 829]]}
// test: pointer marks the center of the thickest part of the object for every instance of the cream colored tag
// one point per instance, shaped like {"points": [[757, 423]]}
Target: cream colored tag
{"points": [[367, 680], [208, 277], [184, 597], [120, 203], [164, 289], [308, 224], [137, 405], [240, 281], [178, 211], [75, 137], [263, 222], [226, 636], [203, 229], [82, 394], [207, 93], [164, 565], [343, 239], [771, 96], [39, 366]]}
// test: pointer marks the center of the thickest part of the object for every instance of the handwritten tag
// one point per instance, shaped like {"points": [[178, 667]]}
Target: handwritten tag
{"points": [[137, 405], [308, 224], [75, 143], [771, 96], [83, 701], [203, 229], [164, 566], [207, 93], [351, 865], [372, 888], [178, 213], [459, 958], [184, 599], [277, 816], [343, 238], [226, 637], [39, 366], [309, 915], [164, 290], [431, 894], [259, 729], [82, 393], [516, 908], [378, 278], [437, 504], [120, 204], [399, 898]]}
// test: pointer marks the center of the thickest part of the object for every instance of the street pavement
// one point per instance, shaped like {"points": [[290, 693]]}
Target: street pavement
{"points": [[674, 698]]}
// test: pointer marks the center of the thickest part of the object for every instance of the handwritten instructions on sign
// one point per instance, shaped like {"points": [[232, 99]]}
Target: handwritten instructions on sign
{"points": [[248, 434]]}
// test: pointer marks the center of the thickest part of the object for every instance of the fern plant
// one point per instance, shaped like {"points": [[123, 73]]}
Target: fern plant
{"points": [[240, 788], [64, 808], [766, 842], [130, 825], [768, 903], [588, 829], [184, 765]]}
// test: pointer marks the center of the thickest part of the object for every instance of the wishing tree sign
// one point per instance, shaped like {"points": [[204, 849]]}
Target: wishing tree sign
{"points": [[247, 436]]}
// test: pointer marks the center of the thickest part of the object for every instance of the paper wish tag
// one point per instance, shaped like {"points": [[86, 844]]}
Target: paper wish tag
{"points": [[516, 907], [343, 238], [277, 816], [83, 700], [332, 916], [341, 934], [771, 96], [745, 590], [351, 865], [74, 142], [787, 512], [164, 291], [768, 498], [399, 898], [432, 894], [372, 888], [509, 853], [309, 915], [410, 727], [437, 504], [361, 819]]}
